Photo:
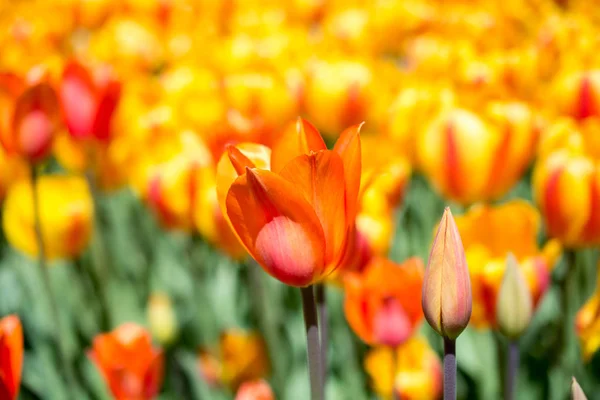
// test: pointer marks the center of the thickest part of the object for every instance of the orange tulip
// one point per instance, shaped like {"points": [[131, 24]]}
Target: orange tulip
{"points": [[29, 117], [295, 220], [11, 356], [469, 158], [417, 374], [447, 294], [578, 94], [256, 390], [488, 234], [566, 182], [130, 365], [383, 303], [12, 169], [587, 324]]}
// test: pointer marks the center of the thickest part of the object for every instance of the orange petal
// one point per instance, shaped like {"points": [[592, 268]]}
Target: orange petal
{"points": [[299, 138], [349, 148], [35, 121], [11, 352], [277, 226], [233, 163], [320, 178]]}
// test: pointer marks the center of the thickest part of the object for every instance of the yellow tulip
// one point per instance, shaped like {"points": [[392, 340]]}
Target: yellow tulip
{"points": [[66, 213]]}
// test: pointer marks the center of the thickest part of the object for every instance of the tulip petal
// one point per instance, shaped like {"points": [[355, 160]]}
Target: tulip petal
{"points": [[35, 121], [106, 108], [320, 178], [233, 163], [277, 226], [348, 146], [299, 138], [11, 355], [79, 102]]}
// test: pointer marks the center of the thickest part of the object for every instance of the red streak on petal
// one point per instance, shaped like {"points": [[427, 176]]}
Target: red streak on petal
{"points": [[551, 205], [591, 230], [586, 106]]}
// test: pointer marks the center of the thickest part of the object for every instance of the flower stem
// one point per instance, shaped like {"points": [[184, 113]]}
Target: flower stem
{"points": [[58, 334], [449, 369], [395, 391], [312, 340], [512, 369], [321, 295]]}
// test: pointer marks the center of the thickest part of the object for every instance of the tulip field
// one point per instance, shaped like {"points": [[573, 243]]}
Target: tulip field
{"points": [[299, 199]]}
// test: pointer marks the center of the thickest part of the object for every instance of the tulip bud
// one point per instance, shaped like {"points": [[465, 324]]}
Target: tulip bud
{"points": [[447, 287], [162, 318], [576, 391], [514, 307]]}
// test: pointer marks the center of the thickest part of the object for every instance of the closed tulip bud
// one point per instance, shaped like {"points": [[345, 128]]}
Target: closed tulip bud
{"points": [[447, 295], [576, 391], [162, 318], [515, 305]]}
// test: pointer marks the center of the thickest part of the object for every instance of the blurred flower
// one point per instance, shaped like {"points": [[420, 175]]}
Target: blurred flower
{"points": [[382, 303], [566, 182], [66, 213], [29, 116], [587, 324], [12, 169], [385, 174], [255, 390], [209, 367], [130, 365], [514, 307], [162, 318], [488, 234], [11, 359], [492, 153], [417, 374], [88, 100], [295, 220], [447, 294], [578, 94]]}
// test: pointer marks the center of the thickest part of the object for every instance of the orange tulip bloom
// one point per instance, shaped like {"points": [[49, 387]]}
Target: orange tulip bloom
{"points": [[488, 234], [88, 102], [469, 158], [295, 220], [130, 365], [417, 374], [383, 303], [256, 390], [587, 323], [578, 94], [11, 356], [29, 117], [566, 182], [11, 170]]}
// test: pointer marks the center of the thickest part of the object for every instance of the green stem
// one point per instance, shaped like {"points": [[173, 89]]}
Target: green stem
{"points": [[312, 340], [449, 369], [321, 295], [512, 370], [58, 332]]}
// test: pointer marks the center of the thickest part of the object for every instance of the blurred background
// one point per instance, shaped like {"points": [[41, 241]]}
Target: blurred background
{"points": [[121, 110]]}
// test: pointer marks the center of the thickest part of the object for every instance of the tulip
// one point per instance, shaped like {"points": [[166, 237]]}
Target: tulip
{"points": [[255, 390], [587, 325], [416, 376], [162, 318], [494, 151], [11, 362], [66, 216], [295, 219], [566, 183], [488, 234], [130, 365], [382, 303], [244, 357], [514, 307], [12, 169], [88, 102], [29, 117], [447, 294], [576, 390], [447, 286], [577, 94]]}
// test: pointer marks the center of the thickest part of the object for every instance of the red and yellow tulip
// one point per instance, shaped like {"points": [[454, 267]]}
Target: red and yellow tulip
{"points": [[587, 324]]}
